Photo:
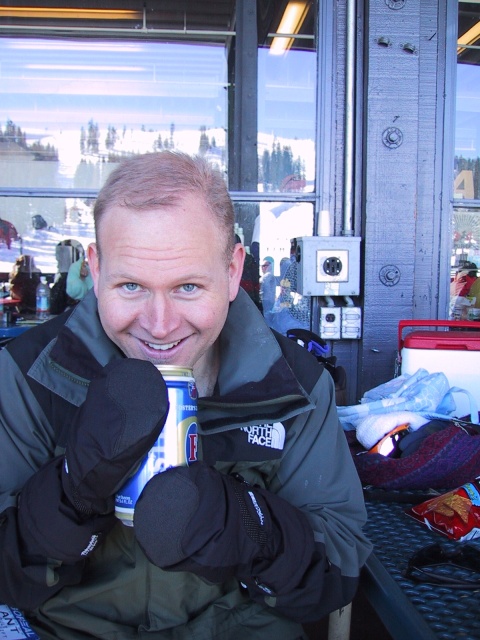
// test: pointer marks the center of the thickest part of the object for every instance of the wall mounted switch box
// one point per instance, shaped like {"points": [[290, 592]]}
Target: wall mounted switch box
{"points": [[351, 323], [328, 266]]}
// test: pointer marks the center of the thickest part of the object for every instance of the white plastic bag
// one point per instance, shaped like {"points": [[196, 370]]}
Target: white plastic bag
{"points": [[427, 394]]}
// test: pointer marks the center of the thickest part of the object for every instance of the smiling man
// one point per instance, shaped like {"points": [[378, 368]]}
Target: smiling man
{"points": [[264, 531], [164, 279]]}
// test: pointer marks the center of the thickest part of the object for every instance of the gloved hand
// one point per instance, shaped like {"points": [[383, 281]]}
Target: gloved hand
{"points": [[67, 506], [124, 413], [217, 526]]}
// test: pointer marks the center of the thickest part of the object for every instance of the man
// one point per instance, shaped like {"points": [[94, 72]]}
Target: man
{"points": [[268, 285], [260, 535]]}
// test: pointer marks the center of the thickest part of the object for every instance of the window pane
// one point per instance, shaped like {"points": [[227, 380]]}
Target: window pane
{"points": [[270, 275], [287, 73], [34, 226], [465, 258], [464, 281], [467, 132], [286, 121], [69, 109]]}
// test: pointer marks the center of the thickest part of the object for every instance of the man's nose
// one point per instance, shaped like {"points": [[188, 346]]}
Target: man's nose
{"points": [[161, 316]]}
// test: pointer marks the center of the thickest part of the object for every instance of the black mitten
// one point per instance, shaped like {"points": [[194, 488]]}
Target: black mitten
{"points": [[49, 525], [124, 412], [217, 526], [66, 506]]}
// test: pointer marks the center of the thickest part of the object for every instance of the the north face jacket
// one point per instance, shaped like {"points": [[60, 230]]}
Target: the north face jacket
{"points": [[272, 418]]}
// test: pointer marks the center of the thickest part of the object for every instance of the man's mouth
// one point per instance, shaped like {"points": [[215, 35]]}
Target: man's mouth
{"points": [[162, 347]]}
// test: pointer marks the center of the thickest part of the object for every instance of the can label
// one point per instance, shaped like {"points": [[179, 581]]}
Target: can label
{"points": [[13, 625], [176, 445]]}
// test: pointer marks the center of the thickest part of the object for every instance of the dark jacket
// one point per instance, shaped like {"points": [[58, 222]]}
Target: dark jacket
{"points": [[272, 418], [23, 285]]}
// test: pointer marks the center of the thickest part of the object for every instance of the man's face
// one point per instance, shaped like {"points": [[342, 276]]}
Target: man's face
{"points": [[162, 281]]}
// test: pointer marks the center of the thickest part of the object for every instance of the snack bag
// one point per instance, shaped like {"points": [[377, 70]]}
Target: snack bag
{"points": [[455, 514]]}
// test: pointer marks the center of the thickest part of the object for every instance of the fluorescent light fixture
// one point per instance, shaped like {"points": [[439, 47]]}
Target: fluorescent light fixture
{"points": [[77, 45], [290, 24], [79, 67], [469, 37], [72, 14]]}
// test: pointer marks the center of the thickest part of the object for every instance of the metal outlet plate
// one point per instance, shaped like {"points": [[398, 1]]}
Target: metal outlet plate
{"points": [[332, 266]]}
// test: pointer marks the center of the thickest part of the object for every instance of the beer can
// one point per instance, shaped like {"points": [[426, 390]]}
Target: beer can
{"points": [[176, 445]]}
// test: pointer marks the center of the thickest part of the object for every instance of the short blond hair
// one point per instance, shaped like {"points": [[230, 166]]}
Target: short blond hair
{"points": [[162, 179]]}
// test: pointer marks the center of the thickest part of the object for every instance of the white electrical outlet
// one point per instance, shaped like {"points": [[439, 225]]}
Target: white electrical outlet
{"points": [[330, 323]]}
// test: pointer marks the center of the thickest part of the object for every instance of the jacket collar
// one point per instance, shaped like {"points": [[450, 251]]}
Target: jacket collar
{"points": [[259, 386]]}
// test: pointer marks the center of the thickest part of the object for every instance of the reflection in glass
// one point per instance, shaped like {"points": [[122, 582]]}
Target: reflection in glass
{"points": [[270, 276], [71, 108], [467, 120], [286, 102], [464, 282], [39, 225], [465, 257], [467, 132]]}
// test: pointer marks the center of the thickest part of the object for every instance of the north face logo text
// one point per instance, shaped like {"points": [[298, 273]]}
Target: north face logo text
{"points": [[266, 435]]}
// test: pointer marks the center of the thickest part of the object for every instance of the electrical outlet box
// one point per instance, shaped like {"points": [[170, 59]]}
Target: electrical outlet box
{"points": [[351, 323], [328, 266], [330, 323]]}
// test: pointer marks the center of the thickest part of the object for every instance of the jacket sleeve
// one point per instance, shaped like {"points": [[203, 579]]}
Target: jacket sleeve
{"points": [[26, 445], [318, 476]]}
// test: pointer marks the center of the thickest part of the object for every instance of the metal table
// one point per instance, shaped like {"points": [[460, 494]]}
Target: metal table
{"points": [[13, 331], [8, 333], [410, 610]]}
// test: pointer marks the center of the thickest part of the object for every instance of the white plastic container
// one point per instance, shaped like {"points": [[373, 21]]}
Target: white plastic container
{"points": [[454, 353]]}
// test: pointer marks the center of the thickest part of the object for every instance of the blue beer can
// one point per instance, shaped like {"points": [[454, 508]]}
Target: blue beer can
{"points": [[176, 445]]}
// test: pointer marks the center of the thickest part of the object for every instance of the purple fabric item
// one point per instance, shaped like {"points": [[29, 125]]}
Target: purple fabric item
{"points": [[444, 460]]}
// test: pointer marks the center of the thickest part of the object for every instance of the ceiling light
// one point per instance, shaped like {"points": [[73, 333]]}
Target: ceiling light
{"points": [[290, 24], [72, 14], [469, 37]]}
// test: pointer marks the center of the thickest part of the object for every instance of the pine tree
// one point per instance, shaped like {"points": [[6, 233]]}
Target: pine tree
{"points": [[204, 144]]}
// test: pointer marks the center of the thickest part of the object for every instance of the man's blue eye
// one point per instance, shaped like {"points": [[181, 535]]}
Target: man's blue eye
{"points": [[188, 288], [131, 286]]}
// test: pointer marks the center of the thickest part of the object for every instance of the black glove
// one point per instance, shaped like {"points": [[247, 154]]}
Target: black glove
{"points": [[217, 526], [124, 413], [122, 416]]}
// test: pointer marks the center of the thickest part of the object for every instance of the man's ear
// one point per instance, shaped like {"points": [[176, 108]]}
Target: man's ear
{"points": [[235, 270], [94, 264]]}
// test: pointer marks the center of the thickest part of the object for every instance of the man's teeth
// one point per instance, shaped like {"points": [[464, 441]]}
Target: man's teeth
{"points": [[162, 347]]}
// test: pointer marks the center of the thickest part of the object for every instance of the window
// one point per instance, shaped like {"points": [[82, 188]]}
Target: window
{"points": [[72, 108], [83, 88], [465, 257]]}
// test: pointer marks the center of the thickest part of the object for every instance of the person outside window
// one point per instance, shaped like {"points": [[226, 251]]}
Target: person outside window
{"points": [[461, 287], [79, 279], [268, 285], [264, 531], [24, 279], [66, 252], [463, 280]]}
